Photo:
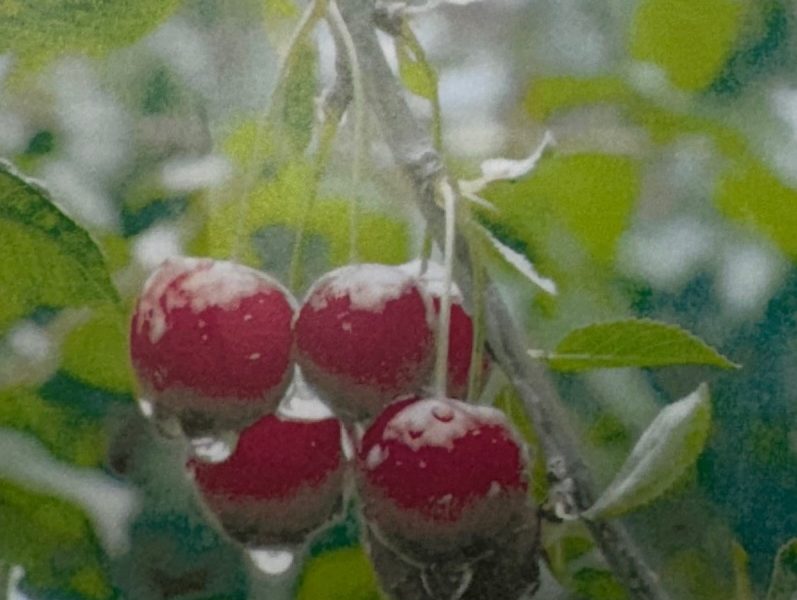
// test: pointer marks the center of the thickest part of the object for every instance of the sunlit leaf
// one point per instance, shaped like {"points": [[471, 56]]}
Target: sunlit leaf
{"points": [[46, 259], [40, 30], [590, 195], [670, 444], [96, 352], [549, 95], [632, 343], [752, 194], [416, 75], [344, 574], [689, 40], [783, 585]]}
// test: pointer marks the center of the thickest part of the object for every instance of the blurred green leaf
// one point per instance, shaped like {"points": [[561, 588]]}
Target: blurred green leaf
{"points": [[753, 195], [298, 113], [416, 74], [596, 584], [53, 541], [96, 352], [68, 434], [670, 444], [344, 574], [689, 40], [632, 343], [40, 30], [783, 585], [590, 195], [46, 259], [548, 95]]}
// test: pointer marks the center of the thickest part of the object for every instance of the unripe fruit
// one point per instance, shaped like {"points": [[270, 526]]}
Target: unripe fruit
{"points": [[440, 478], [363, 337], [284, 480], [210, 342], [460, 332]]}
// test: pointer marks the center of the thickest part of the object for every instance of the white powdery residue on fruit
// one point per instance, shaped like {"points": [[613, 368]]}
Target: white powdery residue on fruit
{"points": [[149, 308], [376, 456], [439, 422], [301, 403], [368, 286], [433, 280]]}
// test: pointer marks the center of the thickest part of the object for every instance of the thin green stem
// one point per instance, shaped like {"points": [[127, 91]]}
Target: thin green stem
{"points": [[359, 121], [477, 316], [444, 318]]}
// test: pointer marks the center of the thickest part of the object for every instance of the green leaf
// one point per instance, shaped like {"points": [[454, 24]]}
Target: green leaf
{"points": [[96, 352], [783, 585], [632, 343], [53, 541], [689, 40], [298, 114], [589, 195], [416, 74], [670, 444], [548, 95], [40, 30], [752, 194], [595, 584], [68, 434], [344, 574], [46, 259]]}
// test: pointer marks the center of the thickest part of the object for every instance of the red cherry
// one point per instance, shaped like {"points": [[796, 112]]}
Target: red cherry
{"points": [[460, 332], [440, 476], [284, 480], [210, 342], [363, 337]]}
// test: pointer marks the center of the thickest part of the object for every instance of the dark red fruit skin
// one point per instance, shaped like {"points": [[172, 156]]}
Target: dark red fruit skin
{"points": [[284, 480], [225, 364], [438, 500], [359, 360]]}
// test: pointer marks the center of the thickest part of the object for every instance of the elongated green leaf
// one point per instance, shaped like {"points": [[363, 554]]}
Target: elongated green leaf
{"points": [[632, 343], [670, 444], [689, 40], [784, 576], [300, 93], [46, 259], [416, 75], [37, 31]]}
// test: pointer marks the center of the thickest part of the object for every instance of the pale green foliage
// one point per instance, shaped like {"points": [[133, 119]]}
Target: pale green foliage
{"points": [[632, 343], [670, 444]]}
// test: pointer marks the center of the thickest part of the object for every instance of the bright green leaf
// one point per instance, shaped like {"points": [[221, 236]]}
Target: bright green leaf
{"points": [[344, 574], [783, 585], [549, 95], [298, 113], [416, 75], [53, 541], [595, 584], [632, 343], [590, 195], [40, 30], [753, 195], [96, 352], [46, 259], [670, 444], [689, 40]]}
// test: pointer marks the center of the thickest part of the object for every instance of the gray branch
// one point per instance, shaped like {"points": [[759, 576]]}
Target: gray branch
{"points": [[413, 150]]}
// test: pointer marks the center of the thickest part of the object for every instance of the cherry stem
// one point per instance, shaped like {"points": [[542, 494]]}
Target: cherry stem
{"points": [[477, 318], [444, 318]]}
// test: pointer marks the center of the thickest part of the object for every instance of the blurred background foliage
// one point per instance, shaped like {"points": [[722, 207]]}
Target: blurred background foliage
{"points": [[671, 193]]}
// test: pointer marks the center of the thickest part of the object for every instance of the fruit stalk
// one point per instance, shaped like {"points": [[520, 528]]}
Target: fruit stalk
{"points": [[414, 151]]}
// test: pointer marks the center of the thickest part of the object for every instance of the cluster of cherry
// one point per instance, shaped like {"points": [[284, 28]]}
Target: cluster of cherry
{"points": [[219, 347]]}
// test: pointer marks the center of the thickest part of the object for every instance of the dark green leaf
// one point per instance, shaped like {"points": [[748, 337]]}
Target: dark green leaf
{"points": [[632, 343], [784, 576]]}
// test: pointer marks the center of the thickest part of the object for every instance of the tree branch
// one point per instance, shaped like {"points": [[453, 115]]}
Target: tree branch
{"points": [[413, 150]]}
